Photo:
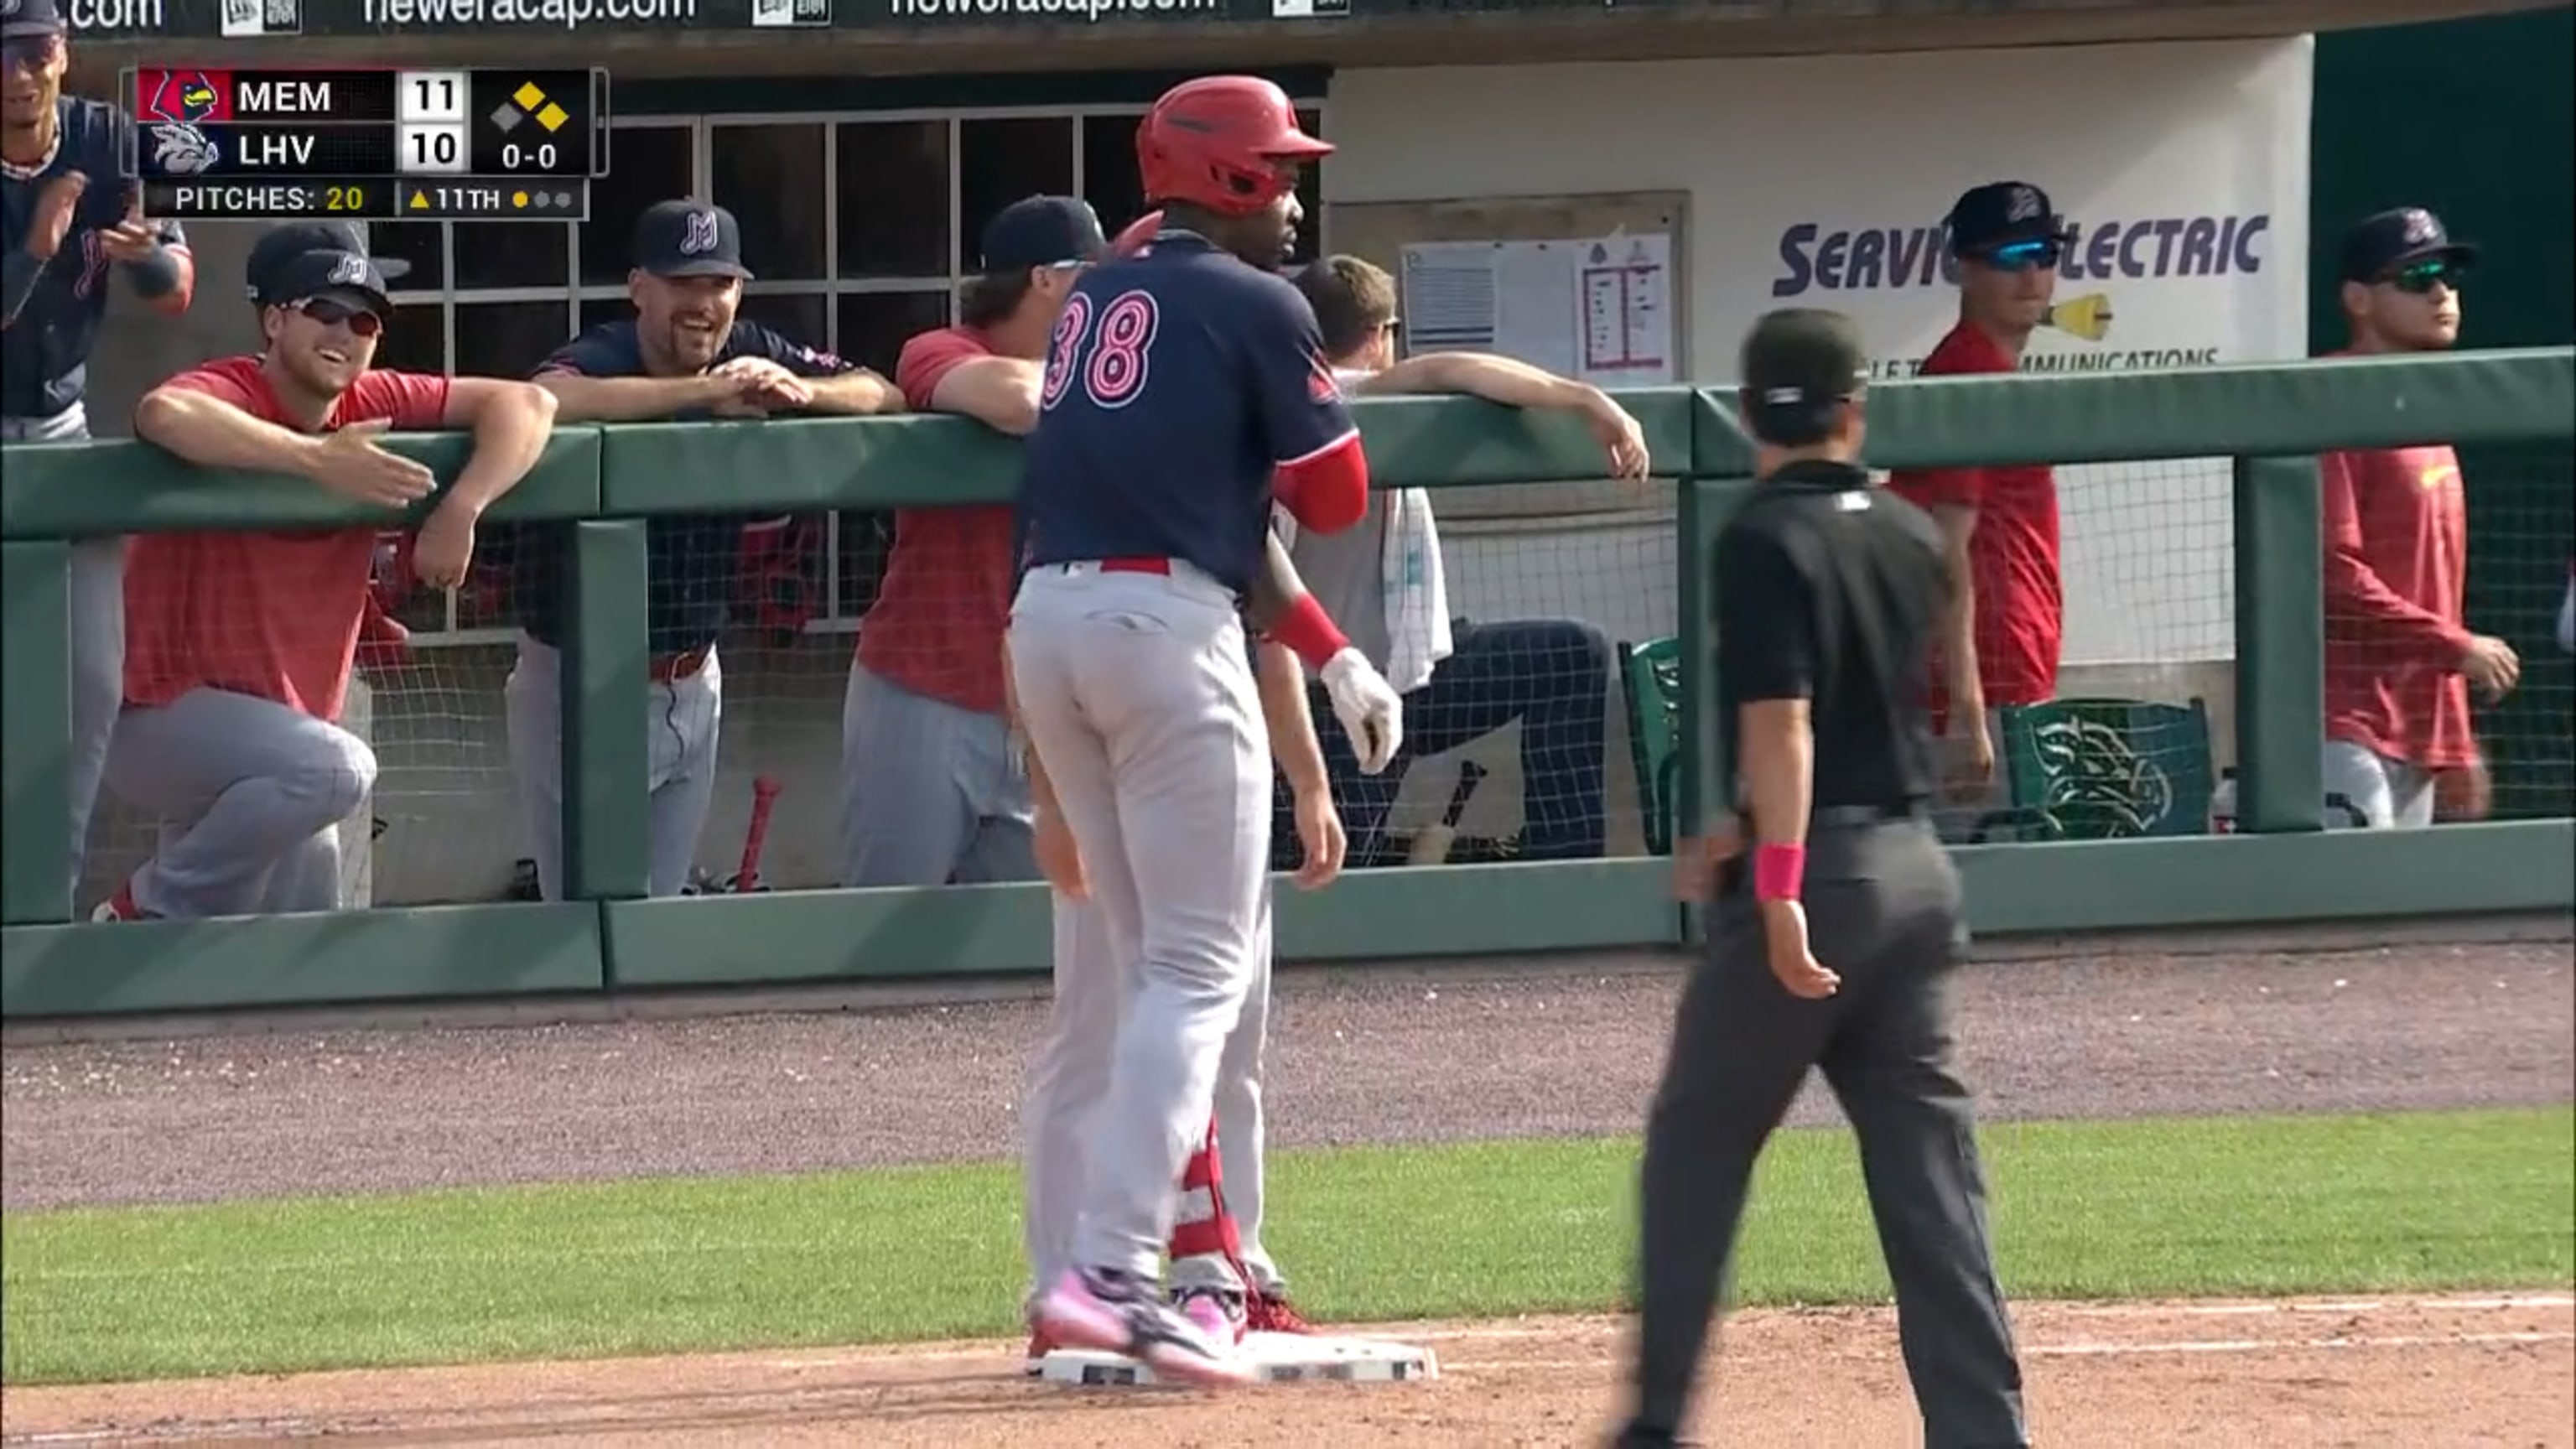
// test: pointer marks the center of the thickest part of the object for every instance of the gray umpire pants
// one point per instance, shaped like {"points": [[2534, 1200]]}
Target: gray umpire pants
{"points": [[1883, 911], [97, 642]]}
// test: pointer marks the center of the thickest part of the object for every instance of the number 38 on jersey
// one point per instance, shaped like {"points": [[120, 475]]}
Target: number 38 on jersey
{"points": [[1110, 349]]}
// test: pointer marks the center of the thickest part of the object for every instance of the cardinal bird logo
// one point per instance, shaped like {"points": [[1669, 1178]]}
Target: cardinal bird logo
{"points": [[185, 98]]}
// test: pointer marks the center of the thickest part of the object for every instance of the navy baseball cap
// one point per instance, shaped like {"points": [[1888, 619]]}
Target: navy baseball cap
{"points": [[2000, 213], [2390, 240], [29, 19], [280, 243], [306, 275], [1043, 231], [689, 239]]}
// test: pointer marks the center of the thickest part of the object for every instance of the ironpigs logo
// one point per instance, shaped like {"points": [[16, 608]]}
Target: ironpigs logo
{"points": [[183, 150]]}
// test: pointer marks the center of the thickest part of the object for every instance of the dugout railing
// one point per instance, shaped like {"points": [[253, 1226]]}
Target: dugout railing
{"points": [[2279, 866]]}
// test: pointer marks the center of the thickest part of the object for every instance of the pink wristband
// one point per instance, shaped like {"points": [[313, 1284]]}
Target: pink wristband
{"points": [[1779, 872]]}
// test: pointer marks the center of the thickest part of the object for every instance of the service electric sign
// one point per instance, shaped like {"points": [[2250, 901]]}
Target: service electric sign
{"points": [[2181, 169]]}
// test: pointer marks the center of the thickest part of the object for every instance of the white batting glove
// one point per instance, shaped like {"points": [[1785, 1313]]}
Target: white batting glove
{"points": [[1370, 710]]}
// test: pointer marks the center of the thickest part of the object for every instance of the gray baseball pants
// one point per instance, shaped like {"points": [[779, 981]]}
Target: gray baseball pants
{"points": [[930, 792], [1137, 691], [97, 642], [250, 794], [686, 717]]}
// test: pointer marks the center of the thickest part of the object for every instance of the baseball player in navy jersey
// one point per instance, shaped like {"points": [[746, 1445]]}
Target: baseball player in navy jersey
{"points": [[683, 355], [1185, 391], [63, 220]]}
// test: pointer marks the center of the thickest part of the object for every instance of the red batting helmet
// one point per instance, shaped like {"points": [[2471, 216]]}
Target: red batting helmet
{"points": [[1216, 142]]}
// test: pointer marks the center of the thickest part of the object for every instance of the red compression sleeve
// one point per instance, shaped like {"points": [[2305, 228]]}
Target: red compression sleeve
{"points": [[1309, 633], [1328, 491]]}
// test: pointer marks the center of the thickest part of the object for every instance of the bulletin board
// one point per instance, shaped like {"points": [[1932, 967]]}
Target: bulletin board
{"points": [[1380, 232]]}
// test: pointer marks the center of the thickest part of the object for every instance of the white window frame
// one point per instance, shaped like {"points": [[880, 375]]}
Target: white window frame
{"points": [[832, 285]]}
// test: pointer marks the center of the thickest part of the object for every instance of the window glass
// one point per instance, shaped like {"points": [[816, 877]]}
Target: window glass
{"points": [[771, 178], [893, 198], [646, 164], [998, 162]]}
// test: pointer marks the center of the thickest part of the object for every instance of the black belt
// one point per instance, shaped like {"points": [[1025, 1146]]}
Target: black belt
{"points": [[1854, 817]]}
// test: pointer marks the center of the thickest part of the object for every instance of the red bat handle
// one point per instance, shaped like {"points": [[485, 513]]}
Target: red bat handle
{"points": [[764, 792]]}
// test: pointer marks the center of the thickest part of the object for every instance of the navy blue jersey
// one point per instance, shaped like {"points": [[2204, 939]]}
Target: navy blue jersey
{"points": [[1179, 380], [690, 560], [44, 353]]}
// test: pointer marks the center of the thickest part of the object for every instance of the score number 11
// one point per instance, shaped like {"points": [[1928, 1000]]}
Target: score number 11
{"points": [[430, 111]]}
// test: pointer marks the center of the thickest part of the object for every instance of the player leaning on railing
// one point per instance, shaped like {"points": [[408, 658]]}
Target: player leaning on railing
{"points": [[239, 643], [62, 221]]}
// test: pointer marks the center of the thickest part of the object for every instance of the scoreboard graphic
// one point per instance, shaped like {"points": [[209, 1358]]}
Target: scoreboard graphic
{"points": [[383, 145]]}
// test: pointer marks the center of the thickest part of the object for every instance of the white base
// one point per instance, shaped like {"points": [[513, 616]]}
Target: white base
{"points": [[1275, 1357]]}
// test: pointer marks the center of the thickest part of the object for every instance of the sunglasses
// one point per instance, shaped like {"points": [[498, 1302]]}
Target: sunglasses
{"points": [[359, 320], [2023, 256], [30, 51], [2424, 276]]}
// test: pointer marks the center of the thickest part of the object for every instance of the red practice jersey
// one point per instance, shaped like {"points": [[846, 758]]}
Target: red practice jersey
{"points": [[2021, 600], [269, 614], [2396, 568], [936, 627]]}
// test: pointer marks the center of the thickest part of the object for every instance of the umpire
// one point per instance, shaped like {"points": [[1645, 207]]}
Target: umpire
{"points": [[1830, 594]]}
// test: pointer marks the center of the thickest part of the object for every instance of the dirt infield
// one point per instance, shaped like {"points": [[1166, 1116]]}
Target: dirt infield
{"points": [[2457, 1371], [1565, 1050]]}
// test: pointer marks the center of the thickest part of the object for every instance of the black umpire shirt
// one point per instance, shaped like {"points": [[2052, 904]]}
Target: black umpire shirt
{"points": [[1830, 590]]}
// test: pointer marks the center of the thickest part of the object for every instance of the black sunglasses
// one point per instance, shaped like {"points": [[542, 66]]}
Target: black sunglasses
{"points": [[2424, 276], [360, 320], [30, 50]]}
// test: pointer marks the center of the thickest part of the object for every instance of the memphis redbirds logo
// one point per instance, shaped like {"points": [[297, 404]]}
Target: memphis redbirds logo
{"points": [[186, 97]]}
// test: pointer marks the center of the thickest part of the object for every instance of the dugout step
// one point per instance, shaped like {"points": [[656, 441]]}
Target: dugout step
{"points": [[1277, 1358]]}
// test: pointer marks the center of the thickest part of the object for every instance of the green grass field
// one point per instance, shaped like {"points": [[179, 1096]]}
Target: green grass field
{"points": [[2082, 1210]]}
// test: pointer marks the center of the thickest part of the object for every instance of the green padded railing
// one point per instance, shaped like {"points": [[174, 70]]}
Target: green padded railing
{"points": [[605, 480]]}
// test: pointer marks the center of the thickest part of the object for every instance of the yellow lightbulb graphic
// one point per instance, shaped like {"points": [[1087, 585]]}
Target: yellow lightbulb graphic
{"points": [[2088, 316]]}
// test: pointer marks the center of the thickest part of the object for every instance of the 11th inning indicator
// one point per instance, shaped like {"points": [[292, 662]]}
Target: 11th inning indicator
{"points": [[479, 145]]}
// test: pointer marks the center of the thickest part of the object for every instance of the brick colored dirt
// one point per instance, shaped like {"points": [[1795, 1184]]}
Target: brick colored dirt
{"points": [[2458, 1372], [1562, 1049]]}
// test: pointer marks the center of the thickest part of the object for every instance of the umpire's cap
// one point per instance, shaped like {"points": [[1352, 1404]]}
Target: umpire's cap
{"points": [[689, 239], [29, 19], [279, 243], [1799, 365], [1043, 231]]}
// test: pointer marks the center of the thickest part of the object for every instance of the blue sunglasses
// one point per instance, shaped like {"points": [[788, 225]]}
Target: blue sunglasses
{"points": [[2022, 256]]}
